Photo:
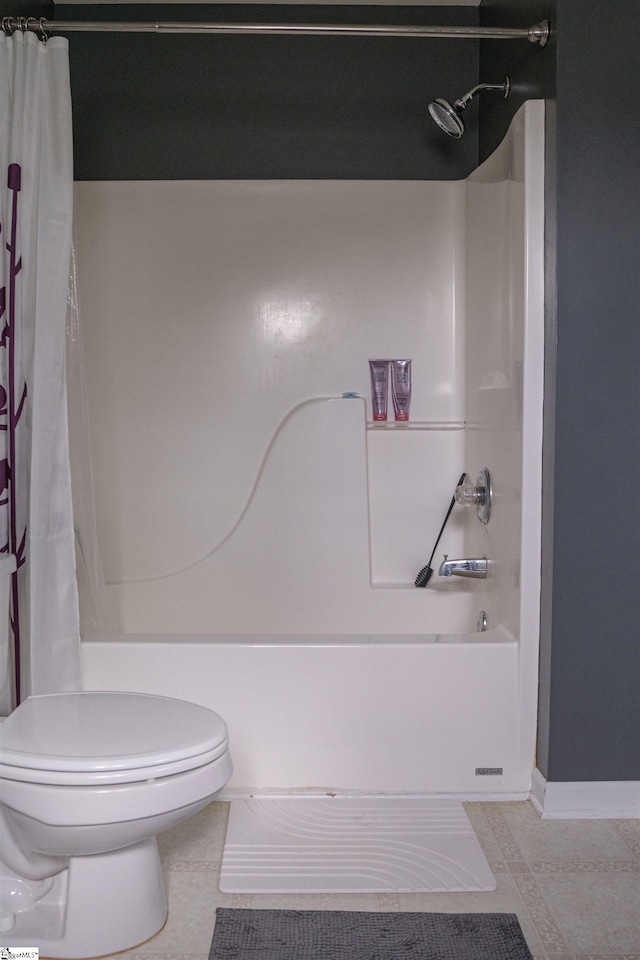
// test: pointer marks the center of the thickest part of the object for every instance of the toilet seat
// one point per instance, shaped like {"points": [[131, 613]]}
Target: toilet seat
{"points": [[96, 737]]}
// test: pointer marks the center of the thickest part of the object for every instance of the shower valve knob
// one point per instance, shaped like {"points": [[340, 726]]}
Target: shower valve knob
{"points": [[467, 494], [479, 495]]}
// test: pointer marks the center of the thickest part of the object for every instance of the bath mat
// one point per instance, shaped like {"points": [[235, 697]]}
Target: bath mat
{"points": [[351, 845], [346, 935]]}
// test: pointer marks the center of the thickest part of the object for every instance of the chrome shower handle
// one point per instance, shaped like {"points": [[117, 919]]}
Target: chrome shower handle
{"points": [[480, 495]]}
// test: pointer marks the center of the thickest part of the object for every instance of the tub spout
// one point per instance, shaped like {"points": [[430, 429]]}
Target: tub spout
{"points": [[475, 567]]}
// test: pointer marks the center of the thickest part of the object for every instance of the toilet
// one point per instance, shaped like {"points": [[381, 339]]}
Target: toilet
{"points": [[87, 781]]}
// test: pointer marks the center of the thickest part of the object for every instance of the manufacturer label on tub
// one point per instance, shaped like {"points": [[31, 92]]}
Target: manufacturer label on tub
{"points": [[489, 771]]}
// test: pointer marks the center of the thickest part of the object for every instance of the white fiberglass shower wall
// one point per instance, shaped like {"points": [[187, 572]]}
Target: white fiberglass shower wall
{"points": [[259, 534]]}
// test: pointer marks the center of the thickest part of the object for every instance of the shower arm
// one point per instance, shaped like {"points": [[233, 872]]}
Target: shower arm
{"points": [[468, 97]]}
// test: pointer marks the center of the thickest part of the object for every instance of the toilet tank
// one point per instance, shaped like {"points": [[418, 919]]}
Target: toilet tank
{"points": [[7, 566]]}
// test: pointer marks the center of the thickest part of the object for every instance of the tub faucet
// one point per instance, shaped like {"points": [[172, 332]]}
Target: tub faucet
{"points": [[475, 567]]}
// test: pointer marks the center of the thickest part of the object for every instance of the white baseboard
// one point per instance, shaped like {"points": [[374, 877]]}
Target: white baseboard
{"points": [[595, 800]]}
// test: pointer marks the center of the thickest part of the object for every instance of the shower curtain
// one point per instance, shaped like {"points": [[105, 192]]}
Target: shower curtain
{"points": [[36, 520]]}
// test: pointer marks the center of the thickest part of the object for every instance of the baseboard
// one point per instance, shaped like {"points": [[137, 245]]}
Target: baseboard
{"points": [[590, 800]]}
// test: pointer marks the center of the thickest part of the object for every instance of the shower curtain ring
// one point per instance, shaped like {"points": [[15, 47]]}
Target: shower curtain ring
{"points": [[8, 26], [41, 32]]}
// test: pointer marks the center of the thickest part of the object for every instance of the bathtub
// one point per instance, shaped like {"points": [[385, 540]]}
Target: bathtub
{"points": [[404, 714]]}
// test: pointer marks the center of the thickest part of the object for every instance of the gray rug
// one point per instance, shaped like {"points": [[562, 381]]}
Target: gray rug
{"points": [[355, 935]]}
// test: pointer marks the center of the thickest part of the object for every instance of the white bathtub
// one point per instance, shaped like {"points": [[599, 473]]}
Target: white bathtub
{"points": [[406, 714]]}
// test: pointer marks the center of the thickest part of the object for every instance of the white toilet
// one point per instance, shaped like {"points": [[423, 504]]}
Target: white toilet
{"points": [[87, 780]]}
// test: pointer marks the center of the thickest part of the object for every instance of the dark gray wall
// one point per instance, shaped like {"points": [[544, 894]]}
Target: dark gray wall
{"points": [[589, 716], [26, 8], [531, 68], [242, 107], [594, 708]]}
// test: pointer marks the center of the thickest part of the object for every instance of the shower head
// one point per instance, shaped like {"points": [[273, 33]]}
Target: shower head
{"points": [[448, 116]]}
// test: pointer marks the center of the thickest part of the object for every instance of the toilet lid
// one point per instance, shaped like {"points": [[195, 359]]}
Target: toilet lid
{"points": [[105, 732]]}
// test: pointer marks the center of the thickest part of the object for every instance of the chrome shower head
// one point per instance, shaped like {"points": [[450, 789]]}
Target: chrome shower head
{"points": [[448, 116]]}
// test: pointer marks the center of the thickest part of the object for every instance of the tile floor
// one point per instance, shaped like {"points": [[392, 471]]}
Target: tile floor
{"points": [[574, 885]]}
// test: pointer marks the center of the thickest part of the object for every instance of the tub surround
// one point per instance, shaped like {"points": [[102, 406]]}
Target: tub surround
{"points": [[252, 303], [292, 287]]}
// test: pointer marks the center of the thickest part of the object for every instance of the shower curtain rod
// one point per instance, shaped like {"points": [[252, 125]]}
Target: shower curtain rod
{"points": [[537, 33]]}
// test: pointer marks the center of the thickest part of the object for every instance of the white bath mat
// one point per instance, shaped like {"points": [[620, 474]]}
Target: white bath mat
{"points": [[351, 845]]}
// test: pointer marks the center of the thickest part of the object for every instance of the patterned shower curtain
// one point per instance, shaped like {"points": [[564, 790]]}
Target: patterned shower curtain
{"points": [[36, 520]]}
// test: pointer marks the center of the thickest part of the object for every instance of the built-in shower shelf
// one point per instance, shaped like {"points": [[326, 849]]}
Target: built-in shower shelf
{"points": [[412, 470], [417, 425]]}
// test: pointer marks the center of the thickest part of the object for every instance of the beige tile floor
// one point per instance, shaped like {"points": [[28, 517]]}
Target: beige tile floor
{"points": [[574, 885]]}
